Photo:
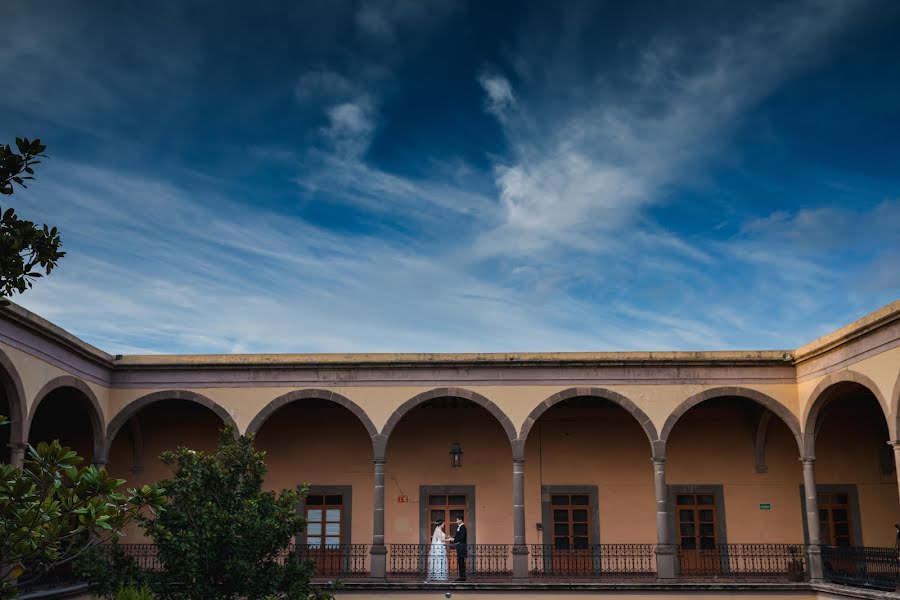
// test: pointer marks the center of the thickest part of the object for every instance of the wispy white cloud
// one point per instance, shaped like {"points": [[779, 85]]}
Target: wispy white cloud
{"points": [[498, 93], [605, 155]]}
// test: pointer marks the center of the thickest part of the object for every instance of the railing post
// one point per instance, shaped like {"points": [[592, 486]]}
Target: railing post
{"points": [[378, 551], [665, 549], [17, 455], [520, 549], [814, 549]]}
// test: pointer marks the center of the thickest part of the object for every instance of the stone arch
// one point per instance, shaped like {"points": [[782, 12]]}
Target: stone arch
{"points": [[380, 441], [134, 407], [592, 392], [15, 394], [786, 416], [95, 414], [819, 399], [285, 399]]}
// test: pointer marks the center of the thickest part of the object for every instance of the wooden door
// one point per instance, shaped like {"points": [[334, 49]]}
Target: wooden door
{"points": [[571, 535], [447, 507], [834, 519], [835, 529], [697, 533], [325, 535]]}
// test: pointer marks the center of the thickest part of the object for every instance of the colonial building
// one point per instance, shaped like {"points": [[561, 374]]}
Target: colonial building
{"points": [[648, 468]]}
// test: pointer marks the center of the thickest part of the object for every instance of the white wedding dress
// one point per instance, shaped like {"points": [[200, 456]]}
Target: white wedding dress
{"points": [[438, 568]]}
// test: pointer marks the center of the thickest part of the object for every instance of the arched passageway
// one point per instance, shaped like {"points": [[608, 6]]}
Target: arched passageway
{"points": [[856, 478], [734, 474], [588, 476], [319, 442], [67, 410], [421, 485]]}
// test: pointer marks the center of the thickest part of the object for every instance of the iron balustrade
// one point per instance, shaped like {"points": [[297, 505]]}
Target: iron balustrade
{"points": [[877, 568], [746, 562], [145, 555], [484, 562], [337, 560], [632, 562]]}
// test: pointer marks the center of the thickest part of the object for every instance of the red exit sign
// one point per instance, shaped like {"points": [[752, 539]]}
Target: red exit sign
{"points": [[402, 499]]}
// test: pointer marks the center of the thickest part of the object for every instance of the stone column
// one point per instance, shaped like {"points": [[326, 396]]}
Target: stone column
{"points": [[896, 445], [379, 550], [665, 549], [520, 549], [812, 518], [17, 455]]}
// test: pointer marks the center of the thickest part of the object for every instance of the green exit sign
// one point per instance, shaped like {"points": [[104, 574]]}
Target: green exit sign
{"points": [[765, 506]]}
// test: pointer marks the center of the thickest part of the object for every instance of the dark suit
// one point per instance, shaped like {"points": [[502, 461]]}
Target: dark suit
{"points": [[459, 540]]}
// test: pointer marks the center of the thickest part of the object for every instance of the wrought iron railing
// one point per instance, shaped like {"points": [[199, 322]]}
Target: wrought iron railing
{"points": [[748, 562], [333, 561], [422, 562], [339, 561], [145, 555], [600, 561], [859, 566]]}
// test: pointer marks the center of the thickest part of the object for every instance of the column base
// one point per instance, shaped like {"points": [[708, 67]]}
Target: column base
{"points": [[666, 562], [816, 569], [378, 563], [520, 563]]}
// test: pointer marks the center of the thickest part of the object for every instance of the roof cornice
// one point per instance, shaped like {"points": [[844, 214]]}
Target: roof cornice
{"points": [[872, 322]]}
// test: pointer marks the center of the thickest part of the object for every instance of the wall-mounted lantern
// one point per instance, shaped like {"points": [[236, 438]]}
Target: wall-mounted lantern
{"points": [[455, 455]]}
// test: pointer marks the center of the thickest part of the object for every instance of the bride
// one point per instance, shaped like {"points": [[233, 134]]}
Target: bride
{"points": [[438, 569]]}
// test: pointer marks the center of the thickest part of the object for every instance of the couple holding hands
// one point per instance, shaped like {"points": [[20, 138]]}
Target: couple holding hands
{"points": [[438, 566]]}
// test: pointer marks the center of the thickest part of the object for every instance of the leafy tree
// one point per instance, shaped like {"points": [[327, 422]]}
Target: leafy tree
{"points": [[52, 511], [221, 535], [25, 248]]}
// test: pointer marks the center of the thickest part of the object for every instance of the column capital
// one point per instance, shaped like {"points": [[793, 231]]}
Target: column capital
{"points": [[518, 461], [807, 460], [19, 446], [658, 460], [894, 443], [379, 461]]}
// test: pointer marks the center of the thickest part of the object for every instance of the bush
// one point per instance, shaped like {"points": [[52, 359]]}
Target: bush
{"points": [[134, 593], [221, 535]]}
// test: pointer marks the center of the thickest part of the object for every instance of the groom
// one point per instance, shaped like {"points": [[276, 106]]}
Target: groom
{"points": [[459, 540]]}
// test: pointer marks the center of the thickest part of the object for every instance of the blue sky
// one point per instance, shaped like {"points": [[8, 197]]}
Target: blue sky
{"points": [[451, 176]]}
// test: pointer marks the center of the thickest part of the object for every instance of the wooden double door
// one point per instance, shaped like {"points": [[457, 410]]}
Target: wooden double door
{"points": [[447, 507], [697, 536]]}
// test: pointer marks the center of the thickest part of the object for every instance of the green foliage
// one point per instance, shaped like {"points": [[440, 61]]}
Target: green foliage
{"points": [[221, 535], [52, 511], [25, 248], [109, 569], [134, 593]]}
